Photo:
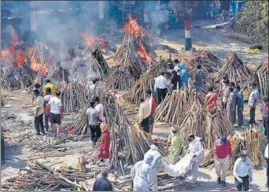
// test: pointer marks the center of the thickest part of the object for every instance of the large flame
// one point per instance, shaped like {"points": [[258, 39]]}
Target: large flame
{"points": [[141, 51], [132, 27], [90, 40], [42, 68]]}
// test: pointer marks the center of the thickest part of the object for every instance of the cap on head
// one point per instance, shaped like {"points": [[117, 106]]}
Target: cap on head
{"points": [[48, 80]]}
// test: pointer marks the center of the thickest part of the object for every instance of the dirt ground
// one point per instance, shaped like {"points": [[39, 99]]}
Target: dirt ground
{"points": [[18, 115]]}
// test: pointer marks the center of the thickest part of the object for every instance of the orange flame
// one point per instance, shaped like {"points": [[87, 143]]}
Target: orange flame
{"points": [[132, 27], [90, 40], [39, 67], [20, 58], [141, 51]]}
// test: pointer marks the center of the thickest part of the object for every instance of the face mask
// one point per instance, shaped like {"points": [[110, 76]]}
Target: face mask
{"points": [[174, 132]]}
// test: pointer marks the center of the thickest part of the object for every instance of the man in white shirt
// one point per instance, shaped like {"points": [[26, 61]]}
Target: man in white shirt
{"points": [[56, 113], [100, 108], [242, 172], [267, 160], [161, 87], [143, 115], [252, 101], [93, 123]]}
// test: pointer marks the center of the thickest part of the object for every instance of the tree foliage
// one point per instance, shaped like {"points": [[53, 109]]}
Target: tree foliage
{"points": [[183, 9]]}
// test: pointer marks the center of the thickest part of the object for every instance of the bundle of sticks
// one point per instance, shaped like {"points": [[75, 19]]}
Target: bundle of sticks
{"points": [[80, 124], [175, 106], [235, 70], [209, 62], [136, 50], [42, 178], [146, 81], [119, 79], [74, 96], [128, 142], [262, 76]]}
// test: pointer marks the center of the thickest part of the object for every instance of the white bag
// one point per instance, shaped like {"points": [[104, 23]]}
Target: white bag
{"points": [[180, 168]]}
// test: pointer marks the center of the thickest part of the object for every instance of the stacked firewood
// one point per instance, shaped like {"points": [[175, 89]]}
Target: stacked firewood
{"points": [[175, 106], [43, 178], [146, 81], [262, 76], [235, 70], [136, 50]]}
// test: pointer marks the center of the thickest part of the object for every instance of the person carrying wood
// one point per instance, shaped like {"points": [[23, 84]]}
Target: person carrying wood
{"points": [[105, 145], [252, 101], [161, 86], [222, 154], [199, 79], [231, 105], [265, 115], [152, 103], [242, 172], [102, 184], [144, 115], [176, 141], [38, 111], [240, 106], [52, 87]]}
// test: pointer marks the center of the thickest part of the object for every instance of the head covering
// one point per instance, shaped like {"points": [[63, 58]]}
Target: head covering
{"points": [[182, 66], [223, 140], [148, 159], [154, 147]]}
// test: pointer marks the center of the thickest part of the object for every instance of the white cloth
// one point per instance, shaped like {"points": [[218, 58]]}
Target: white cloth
{"points": [[55, 104], [93, 116], [254, 96], [181, 167], [92, 88], [196, 148], [242, 168], [161, 82], [100, 108], [47, 99], [266, 152], [176, 68]]}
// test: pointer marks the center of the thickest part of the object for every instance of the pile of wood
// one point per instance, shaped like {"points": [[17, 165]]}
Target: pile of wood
{"points": [[209, 62], [137, 49], [79, 126], [128, 142], [119, 79], [262, 76], [39, 177], [145, 82], [236, 71], [175, 106]]}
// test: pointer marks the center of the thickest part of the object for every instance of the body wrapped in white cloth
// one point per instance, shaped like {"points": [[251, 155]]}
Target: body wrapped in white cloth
{"points": [[180, 168]]}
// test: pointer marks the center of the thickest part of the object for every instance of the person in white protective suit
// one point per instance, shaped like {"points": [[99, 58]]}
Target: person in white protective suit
{"points": [[197, 150], [141, 174], [156, 165]]}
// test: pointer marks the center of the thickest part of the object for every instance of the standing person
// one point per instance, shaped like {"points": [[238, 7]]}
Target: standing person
{"points": [[56, 113], [223, 82], [197, 150], [48, 84], [176, 141], [36, 87], [105, 145], [240, 106], [152, 103], [92, 87], [141, 174], [176, 67], [252, 101], [39, 110], [161, 87], [265, 115], [174, 80], [211, 100], [267, 161], [242, 172], [156, 165], [222, 153], [100, 108], [199, 79], [93, 123], [225, 93], [102, 184], [144, 115], [231, 105], [47, 107], [184, 75]]}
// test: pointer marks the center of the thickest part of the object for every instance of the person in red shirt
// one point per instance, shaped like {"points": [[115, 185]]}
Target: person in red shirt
{"points": [[105, 145], [222, 153], [211, 100], [152, 103]]}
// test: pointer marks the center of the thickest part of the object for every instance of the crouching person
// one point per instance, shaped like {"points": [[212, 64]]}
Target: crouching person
{"points": [[105, 145], [242, 172]]}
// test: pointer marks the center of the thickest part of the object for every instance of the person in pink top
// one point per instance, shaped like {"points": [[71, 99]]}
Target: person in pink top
{"points": [[222, 153], [153, 103]]}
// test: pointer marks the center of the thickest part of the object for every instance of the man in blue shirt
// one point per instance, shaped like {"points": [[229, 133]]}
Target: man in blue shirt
{"points": [[184, 75], [240, 106]]}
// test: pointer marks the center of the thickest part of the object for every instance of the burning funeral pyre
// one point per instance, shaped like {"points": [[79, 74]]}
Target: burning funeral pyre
{"points": [[235, 70], [136, 50], [262, 76]]}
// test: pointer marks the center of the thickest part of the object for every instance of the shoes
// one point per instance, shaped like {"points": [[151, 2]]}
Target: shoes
{"points": [[219, 181], [223, 183], [37, 134]]}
